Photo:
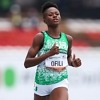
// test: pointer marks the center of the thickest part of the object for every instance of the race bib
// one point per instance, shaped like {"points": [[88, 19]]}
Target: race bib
{"points": [[59, 60]]}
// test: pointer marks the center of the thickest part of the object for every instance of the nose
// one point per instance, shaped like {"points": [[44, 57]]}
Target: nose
{"points": [[54, 15]]}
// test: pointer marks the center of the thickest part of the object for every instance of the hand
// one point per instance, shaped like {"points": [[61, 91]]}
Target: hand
{"points": [[54, 50], [76, 62]]}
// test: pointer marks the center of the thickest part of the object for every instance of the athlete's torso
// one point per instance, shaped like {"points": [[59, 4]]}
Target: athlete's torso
{"points": [[46, 76]]}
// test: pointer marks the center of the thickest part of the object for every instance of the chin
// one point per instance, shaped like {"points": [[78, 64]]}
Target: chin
{"points": [[55, 25]]}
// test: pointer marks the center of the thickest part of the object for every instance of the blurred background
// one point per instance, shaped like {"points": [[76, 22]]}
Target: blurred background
{"points": [[20, 20]]}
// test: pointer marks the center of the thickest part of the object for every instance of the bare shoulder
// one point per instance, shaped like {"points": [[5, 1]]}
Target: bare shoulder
{"points": [[70, 38], [38, 38]]}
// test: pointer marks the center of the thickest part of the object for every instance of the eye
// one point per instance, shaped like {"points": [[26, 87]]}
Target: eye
{"points": [[50, 15], [57, 13]]}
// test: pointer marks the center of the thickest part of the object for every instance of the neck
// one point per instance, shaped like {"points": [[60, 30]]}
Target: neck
{"points": [[53, 30]]}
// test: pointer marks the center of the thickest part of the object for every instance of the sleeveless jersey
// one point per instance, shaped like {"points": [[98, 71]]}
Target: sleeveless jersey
{"points": [[46, 76]]}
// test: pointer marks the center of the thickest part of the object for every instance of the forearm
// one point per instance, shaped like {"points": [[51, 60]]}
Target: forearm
{"points": [[70, 61], [30, 62]]}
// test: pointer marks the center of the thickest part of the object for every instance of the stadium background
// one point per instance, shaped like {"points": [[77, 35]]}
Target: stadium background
{"points": [[20, 20]]}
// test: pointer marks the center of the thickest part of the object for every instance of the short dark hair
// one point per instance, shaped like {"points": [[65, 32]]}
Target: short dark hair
{"points": [[47, 5]]}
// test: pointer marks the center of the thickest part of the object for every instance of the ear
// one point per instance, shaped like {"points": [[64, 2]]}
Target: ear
{"points": [[44, 19]]}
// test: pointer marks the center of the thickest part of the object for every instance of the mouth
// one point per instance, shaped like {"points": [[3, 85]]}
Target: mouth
{"points": [[56, 20]]}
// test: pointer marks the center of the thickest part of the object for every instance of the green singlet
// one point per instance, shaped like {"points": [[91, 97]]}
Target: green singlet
{"points": [[46, 76]]}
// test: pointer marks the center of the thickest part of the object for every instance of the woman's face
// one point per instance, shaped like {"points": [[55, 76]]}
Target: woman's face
{"points": [[52, 16]]}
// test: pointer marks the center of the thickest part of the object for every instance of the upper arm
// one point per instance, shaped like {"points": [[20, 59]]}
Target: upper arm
{"points": [[35, 47], [70, 40]]}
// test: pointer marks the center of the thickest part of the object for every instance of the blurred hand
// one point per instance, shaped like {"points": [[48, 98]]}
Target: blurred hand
{"points": [[54, 50], [76, 62]]}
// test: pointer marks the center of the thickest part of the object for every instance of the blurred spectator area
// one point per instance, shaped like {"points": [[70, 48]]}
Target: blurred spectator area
{"points": [[85, 32], [20, 20], [68, 8]]}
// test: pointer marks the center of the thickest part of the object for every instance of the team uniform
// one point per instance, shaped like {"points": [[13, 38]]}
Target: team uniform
{"points": [[47, 79]]}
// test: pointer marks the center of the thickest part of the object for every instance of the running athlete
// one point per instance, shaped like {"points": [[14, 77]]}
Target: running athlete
{"points": [[51, 51]]}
